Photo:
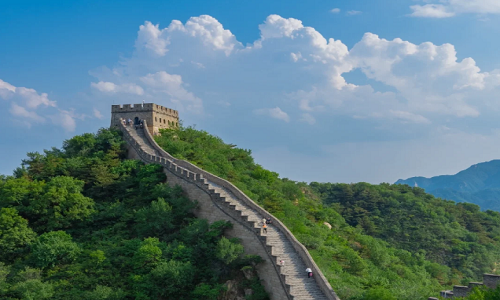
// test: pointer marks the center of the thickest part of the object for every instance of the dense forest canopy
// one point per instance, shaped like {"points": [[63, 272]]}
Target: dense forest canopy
{"points": [[386, 242], [82, 222]]}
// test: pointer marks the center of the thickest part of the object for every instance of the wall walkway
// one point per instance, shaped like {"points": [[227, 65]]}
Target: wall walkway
{"points": [[218, 199]]}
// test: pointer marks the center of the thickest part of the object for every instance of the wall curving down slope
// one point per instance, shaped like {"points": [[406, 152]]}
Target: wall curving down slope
{"points": [[218, 199]]}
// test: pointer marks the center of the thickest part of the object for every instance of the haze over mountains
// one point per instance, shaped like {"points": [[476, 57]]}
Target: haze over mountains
{"points": [[479, 184]]}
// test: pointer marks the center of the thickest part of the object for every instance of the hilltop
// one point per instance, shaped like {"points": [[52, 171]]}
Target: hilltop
{"points": [[478, 184]]}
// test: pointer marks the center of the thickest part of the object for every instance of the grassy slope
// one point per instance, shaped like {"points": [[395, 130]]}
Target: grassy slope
{"points": [[357, 265]]}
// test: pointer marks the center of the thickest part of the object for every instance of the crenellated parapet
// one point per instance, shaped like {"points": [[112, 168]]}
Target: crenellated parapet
{"points": [[489, 280], [157, 116]]}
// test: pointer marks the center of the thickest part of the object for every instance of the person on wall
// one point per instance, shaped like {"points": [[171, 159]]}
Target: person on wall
{"points": [[309, 273]]}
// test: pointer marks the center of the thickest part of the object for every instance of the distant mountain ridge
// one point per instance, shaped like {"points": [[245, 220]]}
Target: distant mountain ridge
{"points": [[478, 184]]}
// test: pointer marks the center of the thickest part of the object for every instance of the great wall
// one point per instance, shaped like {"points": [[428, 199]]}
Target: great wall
{"points": [[218, 199], [489, 280]]}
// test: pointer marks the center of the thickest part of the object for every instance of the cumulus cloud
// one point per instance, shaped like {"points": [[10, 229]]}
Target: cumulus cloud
{"points": [[275, 113], [110, 87], [278, 27], [28, 107], [430, 77], [335, 10], [30, 97], [173, 86], [27, 116], [450, 8], [6, 89], [204, 29], [294, 68]]}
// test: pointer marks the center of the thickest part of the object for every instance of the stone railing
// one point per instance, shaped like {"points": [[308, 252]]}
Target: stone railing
{"points": [[189, 171]]}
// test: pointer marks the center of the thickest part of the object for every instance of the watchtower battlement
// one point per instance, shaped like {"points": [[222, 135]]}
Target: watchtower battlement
{"points": [[157, 117]]}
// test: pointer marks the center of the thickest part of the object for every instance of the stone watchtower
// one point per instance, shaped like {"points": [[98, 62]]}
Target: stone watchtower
{"points": [[156, 116]]}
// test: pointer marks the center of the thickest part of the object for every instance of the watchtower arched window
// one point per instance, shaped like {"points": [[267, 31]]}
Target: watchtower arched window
{"points": [[156, 119]]}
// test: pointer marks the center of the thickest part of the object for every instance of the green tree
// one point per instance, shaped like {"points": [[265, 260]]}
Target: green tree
{"points": [[173, 279], [148, 254], [52, 248], [34, 289], [155, 220], [102, 292], [228, 251], [14, 233], [61, 204]]}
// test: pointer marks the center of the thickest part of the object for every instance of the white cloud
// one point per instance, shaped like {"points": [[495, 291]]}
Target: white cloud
{"points": [[296, 56], [296, 69], [275, 113], [6, 89], [353, 12], [335, 10], [33, 99], [97, 114], [430, 77], [65, 119], [110, 87], [29, 97], [27, 106], [450, 8], [198, 65], [409, 117], [205, 29], [173, 86], [308, 118], [278, 27], [26, 116], [431, 11]]}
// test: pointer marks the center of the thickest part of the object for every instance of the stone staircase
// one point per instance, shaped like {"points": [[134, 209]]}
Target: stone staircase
{"points": [[292, 275], [298, 285]]}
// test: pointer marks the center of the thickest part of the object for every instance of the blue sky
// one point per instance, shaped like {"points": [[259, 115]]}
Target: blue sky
{"points": [[341, 91]]}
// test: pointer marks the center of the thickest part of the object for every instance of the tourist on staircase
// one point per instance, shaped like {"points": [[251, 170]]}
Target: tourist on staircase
{"points": [[309, 273]]}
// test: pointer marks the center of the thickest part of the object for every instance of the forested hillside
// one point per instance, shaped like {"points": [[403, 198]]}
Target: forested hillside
{"points": [[386, 242], [478, 184], [82, 222], [459, 236]]}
